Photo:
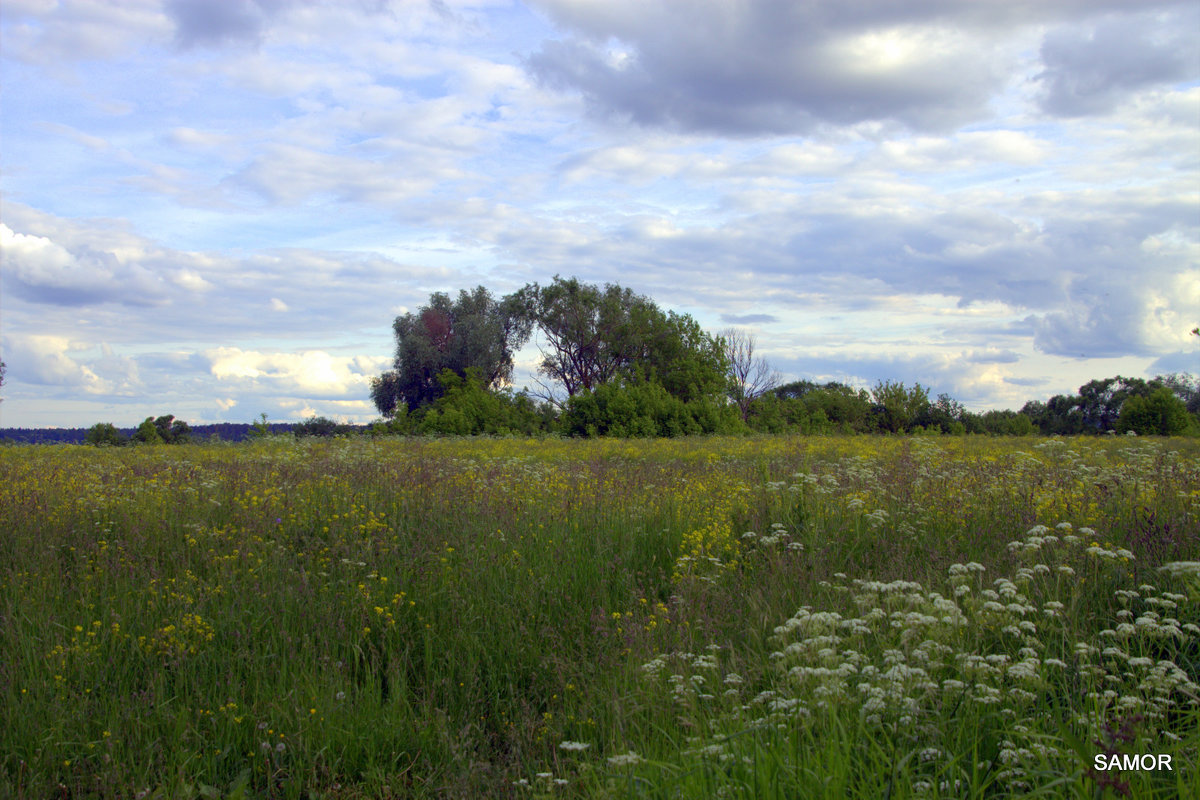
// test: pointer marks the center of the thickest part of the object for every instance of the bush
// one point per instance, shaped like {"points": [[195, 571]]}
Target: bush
{"points": [[1160, 413], [644, 409], [1004, 423], [321, 426], [147, 433], [468, 407], [104, 434]]}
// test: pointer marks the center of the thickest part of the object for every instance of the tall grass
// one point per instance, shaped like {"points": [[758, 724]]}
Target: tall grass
{"points": [[762, 617]]}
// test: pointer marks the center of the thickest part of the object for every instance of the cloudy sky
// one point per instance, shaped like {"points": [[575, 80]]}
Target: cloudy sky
{"points": [[215, 208]]}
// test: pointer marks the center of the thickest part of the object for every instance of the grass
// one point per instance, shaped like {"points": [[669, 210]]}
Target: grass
{"points": [[741, 617]]}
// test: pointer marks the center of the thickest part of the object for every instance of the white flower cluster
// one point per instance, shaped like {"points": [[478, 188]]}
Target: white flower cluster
{"points": [[905, 655]]}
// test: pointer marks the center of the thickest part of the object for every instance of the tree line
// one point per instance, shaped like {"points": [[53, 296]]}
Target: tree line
{"points": [[613, 363]]}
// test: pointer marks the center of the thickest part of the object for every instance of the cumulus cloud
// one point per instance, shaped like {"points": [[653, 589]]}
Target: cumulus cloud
{"points": [[768, 68], [64, 365], [1091, 69], [127, 287], [47, 272], [313, 373], [78, 30], [202, 22], [1126, 317], [777, 68], [979, 191]]}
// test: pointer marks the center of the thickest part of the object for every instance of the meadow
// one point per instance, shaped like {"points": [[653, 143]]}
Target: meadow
{"points": [[903, 617]]}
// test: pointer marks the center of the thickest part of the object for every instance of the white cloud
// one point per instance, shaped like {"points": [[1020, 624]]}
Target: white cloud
{"points": [[190, 137], [48, 272], [55, 361], [961, 183], [78, 30], [313, 373]]}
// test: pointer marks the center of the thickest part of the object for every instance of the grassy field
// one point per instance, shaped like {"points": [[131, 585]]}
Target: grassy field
{"points": [[742, 617]]}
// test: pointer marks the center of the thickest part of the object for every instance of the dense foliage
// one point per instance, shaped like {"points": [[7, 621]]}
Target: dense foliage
{"points": [[475, 331], [1167, 405], [615, 364], [591, 337]]}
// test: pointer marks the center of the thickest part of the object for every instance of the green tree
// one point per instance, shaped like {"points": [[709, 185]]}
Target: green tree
{"points": [[473, 331], [1184, 385], [467, 407], [260, 428], [1100, 401], [680, 356], [644, 409], [1061, 415], [946, 415], [821, 407], [1005, 423], [1159, 413], [898, 408], [171, 430], [147, 433], [1095, 409], [594, 336], [590, 334], [104, 434], [319, 426]]}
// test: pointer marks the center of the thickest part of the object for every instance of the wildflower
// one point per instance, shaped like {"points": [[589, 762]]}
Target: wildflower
{"points": [[573, 746], [1182, 569], [625, 759]]}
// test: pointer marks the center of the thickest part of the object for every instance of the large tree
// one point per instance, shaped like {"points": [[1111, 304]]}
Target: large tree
{"points": [[897, 408], [593, 336], [474, 331]]}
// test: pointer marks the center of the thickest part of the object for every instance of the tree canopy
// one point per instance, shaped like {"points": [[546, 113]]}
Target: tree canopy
{"points": [[474, 331], [589, 337], [592, 336], [613, 363]]}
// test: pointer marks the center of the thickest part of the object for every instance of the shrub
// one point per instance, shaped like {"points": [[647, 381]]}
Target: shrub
{"points": [[1160, 413], [320, 426], [105, 434], [643, 409]]}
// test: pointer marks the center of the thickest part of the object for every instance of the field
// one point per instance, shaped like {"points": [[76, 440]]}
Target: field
{"points": [[725, 617]]}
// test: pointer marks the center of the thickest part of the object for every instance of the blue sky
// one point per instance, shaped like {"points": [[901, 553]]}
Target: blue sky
{"points": [[215, 208]]}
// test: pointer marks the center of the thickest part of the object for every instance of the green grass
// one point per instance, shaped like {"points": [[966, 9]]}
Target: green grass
{"points": [[743, 617]]}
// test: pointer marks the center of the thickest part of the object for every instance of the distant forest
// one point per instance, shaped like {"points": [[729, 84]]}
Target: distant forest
{"points": [[614, 364], [222, 431]]}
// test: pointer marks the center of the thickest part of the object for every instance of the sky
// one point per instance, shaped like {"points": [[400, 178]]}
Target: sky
{"points": [[216, 208]]}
